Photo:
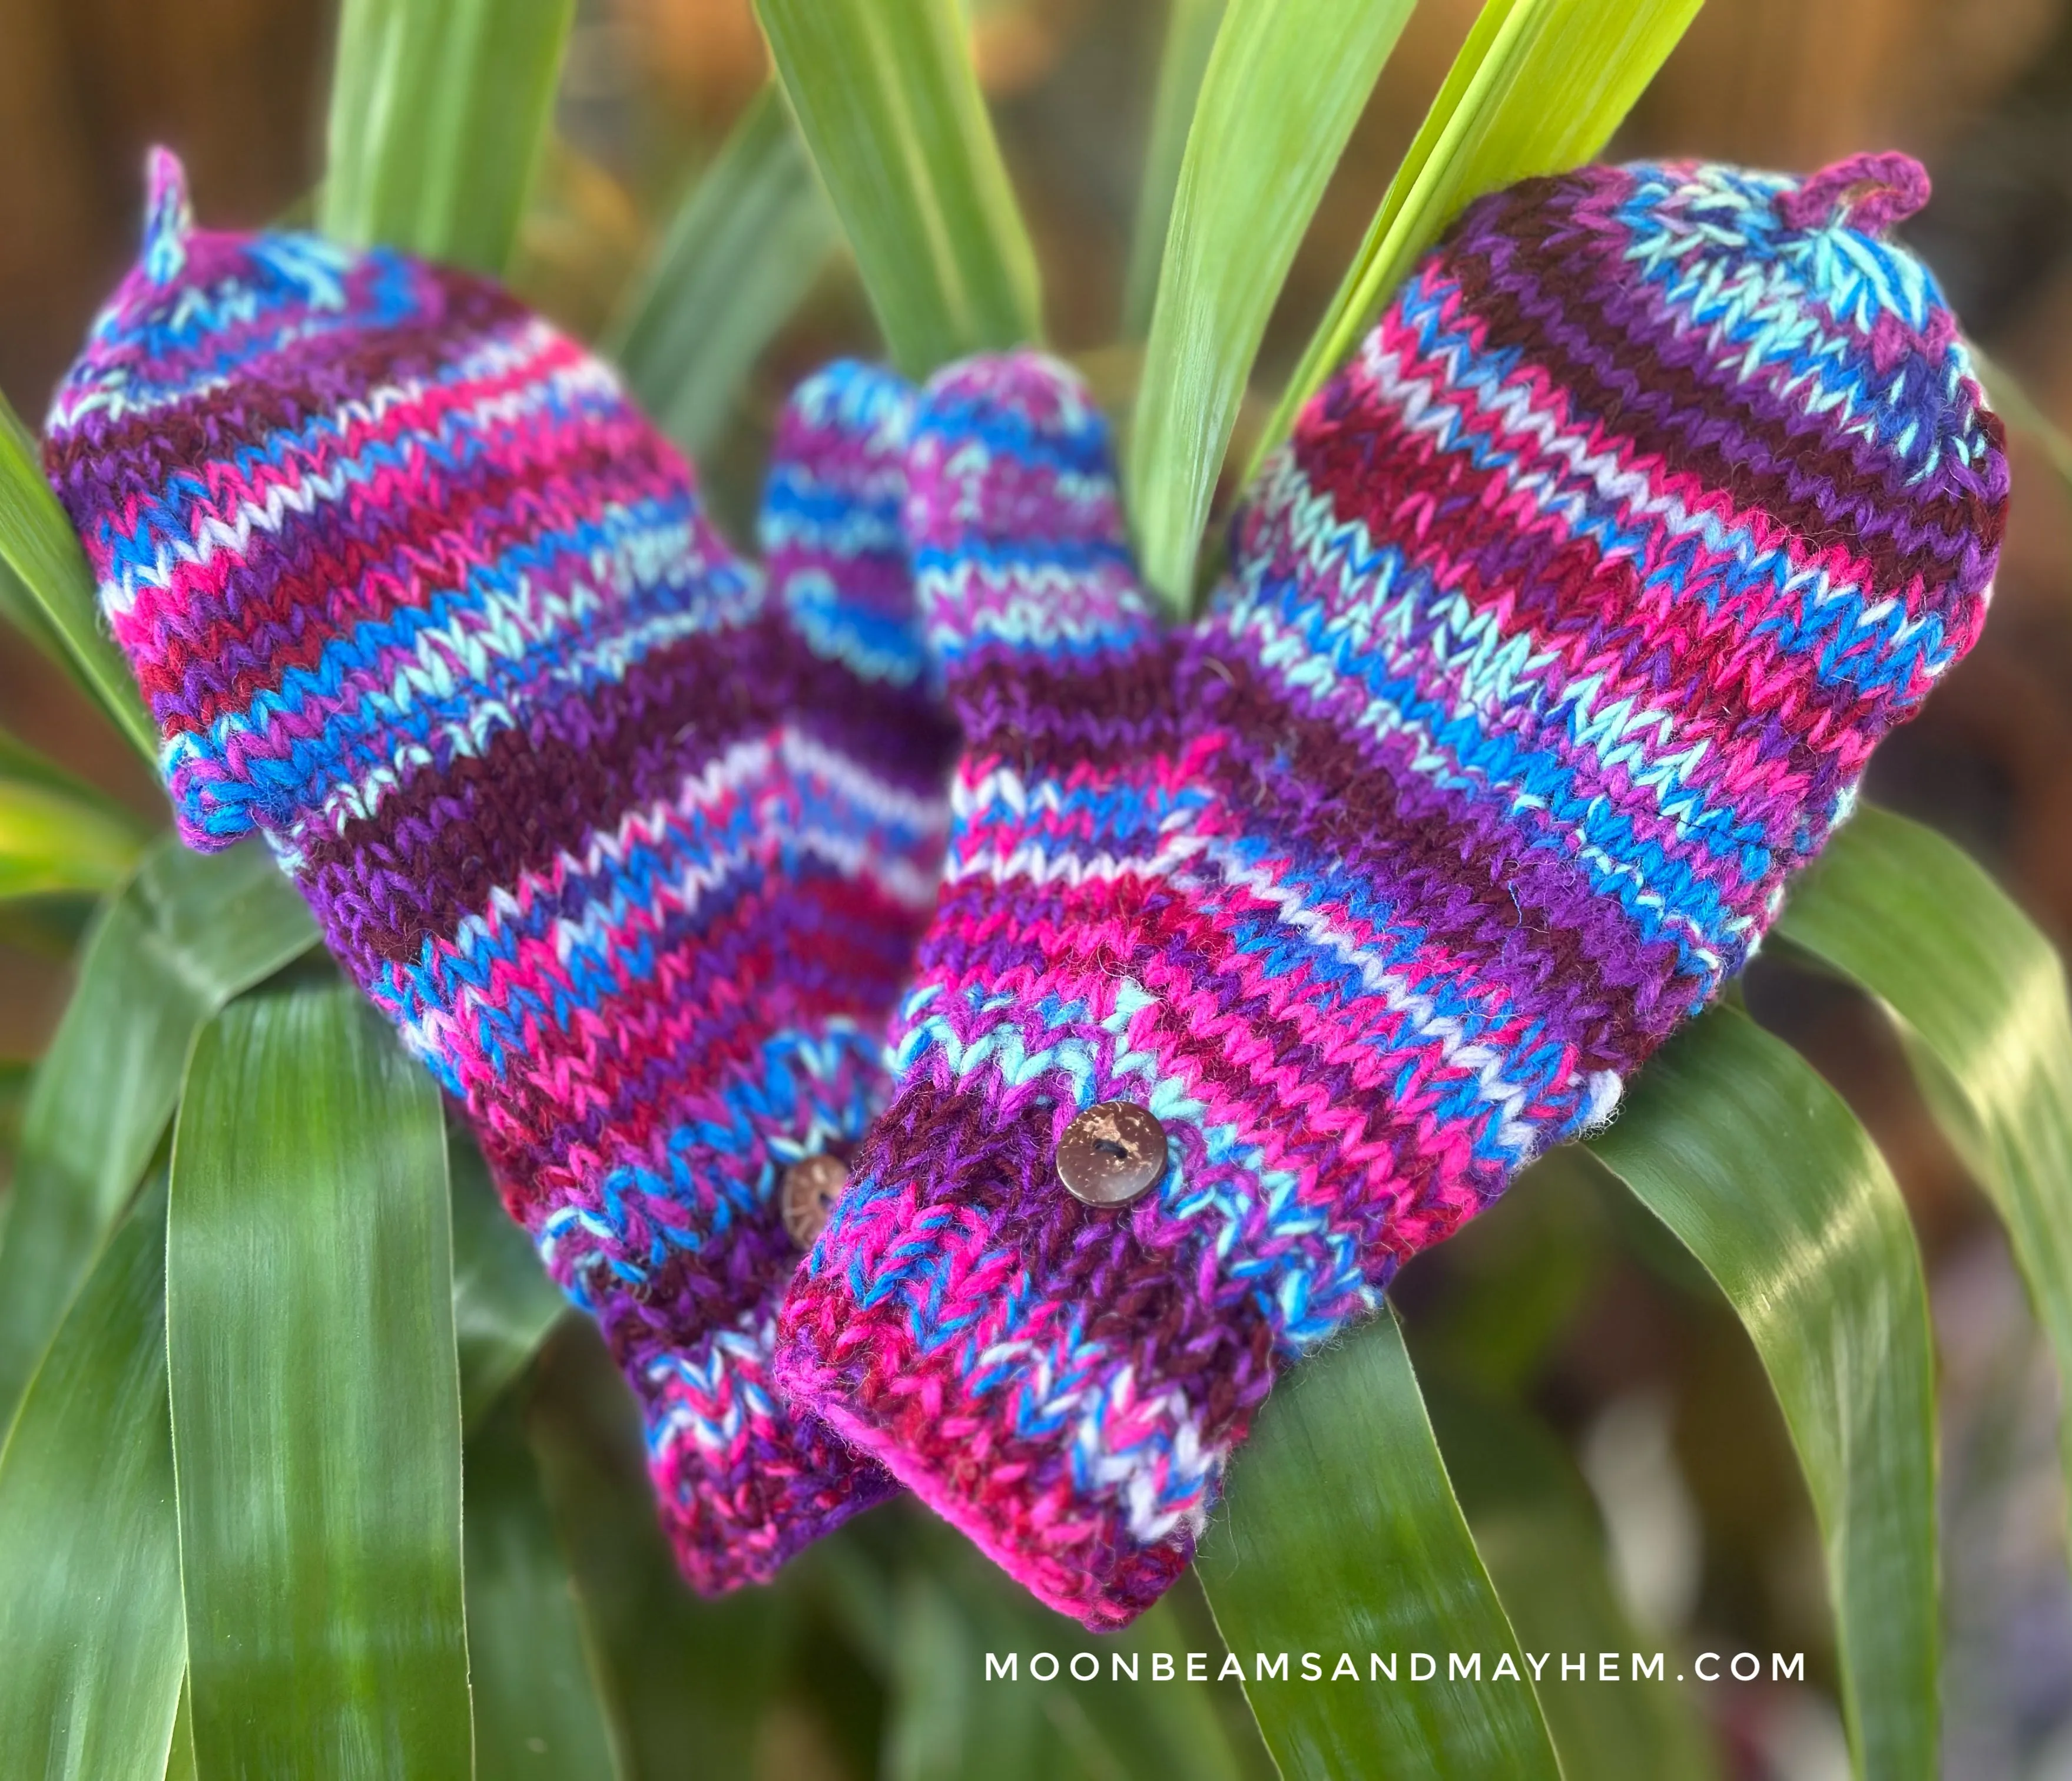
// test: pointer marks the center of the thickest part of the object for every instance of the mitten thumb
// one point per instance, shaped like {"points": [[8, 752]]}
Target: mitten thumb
{"points": [[829, 527], [1014, 530]]}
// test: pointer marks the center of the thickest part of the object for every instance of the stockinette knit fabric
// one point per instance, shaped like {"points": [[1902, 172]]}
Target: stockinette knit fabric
{"points": [[631, 841], [1555, 640]]}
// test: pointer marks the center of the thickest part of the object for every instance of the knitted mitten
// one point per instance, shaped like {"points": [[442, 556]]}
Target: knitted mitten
{"points": [[631, 842], [1556, 640]]}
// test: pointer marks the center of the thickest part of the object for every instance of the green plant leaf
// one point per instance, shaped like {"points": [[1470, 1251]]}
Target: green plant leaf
{"points": [[46, 588], [888, 105], [183, 937], [1913, 922], [1341, 1535], [59, 836], [316, 1401], [52, 843], [1538, 1532], [950, 1607], [504, 1303], [89, 1555], [47, 928], [537, 1712], [19, 608], [14, 1091], [21, 765], [1538, 87], [180, 1758], [944, 1723], [1286, 82], [439, 109], [1734, 1142], [1115, 1728], [683, 1675], [1190, 34], [744, 248]]}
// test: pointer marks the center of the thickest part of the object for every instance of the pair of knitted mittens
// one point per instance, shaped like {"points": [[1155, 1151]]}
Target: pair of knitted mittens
{"points": [[631, 842], [1267, 950], [1554, 641]]}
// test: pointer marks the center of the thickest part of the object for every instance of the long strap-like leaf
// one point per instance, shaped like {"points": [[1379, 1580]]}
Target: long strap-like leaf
{"points": [[92, 1647], [539, 1712], [46, 588], [1286, 82], [180, 1759], [21, 765], [947, 1604], [439, 109], [316, 1399], [1341, 1537], [1191, 36], [59, 836], [1539, 86], [1915, 922], [886, 99], [1732, 1139], [744, 248], [53, 844], [685, 1675], [184, 935], [1537, 1531], [504, 1303]]}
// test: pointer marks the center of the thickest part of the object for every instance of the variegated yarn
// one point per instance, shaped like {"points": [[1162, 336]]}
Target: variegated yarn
{"points": [[630, 841], [1555, 639]]}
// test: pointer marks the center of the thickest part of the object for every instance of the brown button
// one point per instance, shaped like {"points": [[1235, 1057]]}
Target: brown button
{"points": [[1112, 1154], [811, 1187]]}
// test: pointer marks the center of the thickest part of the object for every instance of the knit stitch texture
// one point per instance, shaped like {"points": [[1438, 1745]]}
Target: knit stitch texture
{"points": [[1555, 639], [630, 841]]}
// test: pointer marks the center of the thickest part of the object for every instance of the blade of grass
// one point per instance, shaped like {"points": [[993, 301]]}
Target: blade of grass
{"points": [[745, 247], [889, 108], [1286, 81], [1916, 923], [1190, 34], [537, 1708], [47, 587], [316, 1401], [90, 1554], [504, 1303], [1538, 1532], [183, 937], [1341, 1535], [1538, 87], [1731, 1139], [438, 112]]}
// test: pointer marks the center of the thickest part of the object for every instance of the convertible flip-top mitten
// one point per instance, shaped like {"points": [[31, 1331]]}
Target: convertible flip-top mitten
{"points": [[631, 842], [1555, 639]]}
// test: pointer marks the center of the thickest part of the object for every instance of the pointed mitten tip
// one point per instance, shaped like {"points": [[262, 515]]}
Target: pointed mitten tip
{"points": [[168, 216]]}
